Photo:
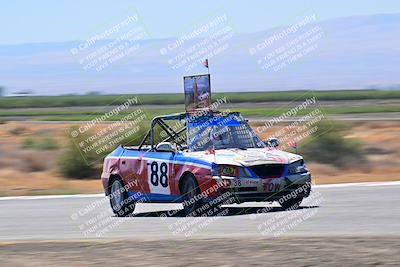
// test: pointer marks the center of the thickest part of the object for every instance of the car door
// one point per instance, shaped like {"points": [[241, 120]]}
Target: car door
{"points": [[159, 173]]}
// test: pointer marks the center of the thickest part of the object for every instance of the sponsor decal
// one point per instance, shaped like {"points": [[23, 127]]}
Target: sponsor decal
{"points": [[270, 185]]}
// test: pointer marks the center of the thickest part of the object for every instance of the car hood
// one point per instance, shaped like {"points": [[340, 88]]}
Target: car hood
{"points": [[247, 157]]}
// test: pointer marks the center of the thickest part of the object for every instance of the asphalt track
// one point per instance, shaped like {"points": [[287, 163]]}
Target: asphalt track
{"points": [[354, 209]]}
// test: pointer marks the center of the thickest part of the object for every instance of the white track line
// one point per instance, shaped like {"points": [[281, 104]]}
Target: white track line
{"points": [[393, 183], [358, 184]]}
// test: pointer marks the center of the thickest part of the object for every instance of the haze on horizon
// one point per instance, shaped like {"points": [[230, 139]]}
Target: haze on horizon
{"points": [[357, 47]]}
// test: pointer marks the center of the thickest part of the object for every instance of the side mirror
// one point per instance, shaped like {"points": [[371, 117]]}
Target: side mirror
{"points": [[272, 142], [166, 147]]}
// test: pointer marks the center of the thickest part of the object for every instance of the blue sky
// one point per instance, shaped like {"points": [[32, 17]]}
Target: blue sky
{"points": [[49, 20]]}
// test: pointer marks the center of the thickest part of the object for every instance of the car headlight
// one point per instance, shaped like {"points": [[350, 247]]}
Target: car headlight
{"points": [[230, 171], [297, 167]]}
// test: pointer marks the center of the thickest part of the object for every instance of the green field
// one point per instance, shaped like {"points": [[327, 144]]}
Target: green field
{"points": [[247, 112], [165, 99], [105, 103]]}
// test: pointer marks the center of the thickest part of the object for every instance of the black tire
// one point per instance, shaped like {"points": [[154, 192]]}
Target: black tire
{"points": [[119, 200], [291, 204], [191, 195]]}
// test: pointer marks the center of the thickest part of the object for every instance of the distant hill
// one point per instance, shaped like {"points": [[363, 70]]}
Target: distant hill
{"points": [[354, 52]]}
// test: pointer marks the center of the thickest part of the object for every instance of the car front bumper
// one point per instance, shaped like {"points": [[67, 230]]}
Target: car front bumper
{"points": [[270, 189]]}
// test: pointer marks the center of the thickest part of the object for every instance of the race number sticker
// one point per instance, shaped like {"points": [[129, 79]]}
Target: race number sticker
{"points": [[157, 176]]}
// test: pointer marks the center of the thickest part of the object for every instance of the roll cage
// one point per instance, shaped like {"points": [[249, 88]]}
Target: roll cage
{"points": [[198, 116]]}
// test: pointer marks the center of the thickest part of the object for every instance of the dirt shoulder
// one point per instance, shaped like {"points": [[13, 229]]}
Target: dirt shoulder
{"points": [[315, 251]]}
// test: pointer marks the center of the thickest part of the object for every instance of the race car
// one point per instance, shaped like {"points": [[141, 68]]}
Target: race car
{"points": [[213, 154]]}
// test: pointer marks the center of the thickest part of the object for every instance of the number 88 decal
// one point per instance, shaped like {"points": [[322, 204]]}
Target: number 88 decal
{"points": [[158, 174]]}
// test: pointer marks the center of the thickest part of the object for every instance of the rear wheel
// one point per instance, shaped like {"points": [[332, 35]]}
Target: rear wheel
{"points": [[119, 199]]}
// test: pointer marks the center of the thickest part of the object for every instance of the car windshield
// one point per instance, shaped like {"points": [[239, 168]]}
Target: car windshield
{"points": [[222, 133]]}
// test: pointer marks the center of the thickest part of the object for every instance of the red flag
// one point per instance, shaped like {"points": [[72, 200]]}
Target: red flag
{"points": [[205, 63]]}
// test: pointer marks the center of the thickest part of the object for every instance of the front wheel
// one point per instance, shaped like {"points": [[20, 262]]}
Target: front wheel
{"points": [[191, 196], [119, 200]]}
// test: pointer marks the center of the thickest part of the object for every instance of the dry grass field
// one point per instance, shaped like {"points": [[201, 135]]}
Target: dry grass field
{"points": [[380, 142], [33, 171]]}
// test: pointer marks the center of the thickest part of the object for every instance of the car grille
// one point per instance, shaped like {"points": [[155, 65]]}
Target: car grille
{"points": [[268, 171]]}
